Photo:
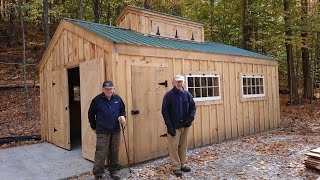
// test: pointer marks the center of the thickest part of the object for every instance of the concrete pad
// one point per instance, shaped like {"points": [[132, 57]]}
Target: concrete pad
{"points": [[41, 161]]}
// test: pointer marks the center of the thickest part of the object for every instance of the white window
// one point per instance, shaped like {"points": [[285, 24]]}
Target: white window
{"points": [[252, 86], [204, 87]]}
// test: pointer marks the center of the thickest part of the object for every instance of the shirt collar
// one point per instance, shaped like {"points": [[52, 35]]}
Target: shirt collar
{"points": [[177, 90]]}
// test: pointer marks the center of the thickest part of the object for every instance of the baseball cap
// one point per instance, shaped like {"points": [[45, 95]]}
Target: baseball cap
{"points": [[179, 78], [108, 84]]}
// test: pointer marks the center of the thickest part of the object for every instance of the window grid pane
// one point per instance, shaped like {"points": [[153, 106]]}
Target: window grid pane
{"points": [[203, 86], [210, 92], [197, 82], [245, 90], [216, 91], [252, 85], [190, 82], [210, 79], [204, 92], [204, 82], [191, 90], [215, 81], [197, 92]]}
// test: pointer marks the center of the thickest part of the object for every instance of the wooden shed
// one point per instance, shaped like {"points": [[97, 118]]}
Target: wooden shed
{"points": [[236, 91]]}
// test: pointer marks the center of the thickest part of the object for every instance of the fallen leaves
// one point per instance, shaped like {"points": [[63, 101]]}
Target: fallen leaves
{"points": [[13, 119], [203, 156], [274, 148]]}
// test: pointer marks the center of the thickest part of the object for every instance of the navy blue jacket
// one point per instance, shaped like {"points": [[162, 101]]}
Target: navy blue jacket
{"points": [[175, 114], [103, 113]]}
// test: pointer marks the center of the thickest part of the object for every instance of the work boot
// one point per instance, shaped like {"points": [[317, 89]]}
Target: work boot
{"points": [[97, 177], [100, 177], [185, 169], [177, 172], [113, 175]]}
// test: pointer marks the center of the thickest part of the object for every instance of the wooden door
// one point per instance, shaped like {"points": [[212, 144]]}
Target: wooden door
{"points": [[148, 125], [91, 79], [60, 109]]}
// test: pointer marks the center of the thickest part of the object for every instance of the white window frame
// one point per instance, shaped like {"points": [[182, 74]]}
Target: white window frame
{"points": [[205, 98], [253, 95]]}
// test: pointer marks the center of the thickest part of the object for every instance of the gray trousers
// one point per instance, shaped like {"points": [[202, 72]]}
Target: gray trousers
{"points": [[107, 146]]}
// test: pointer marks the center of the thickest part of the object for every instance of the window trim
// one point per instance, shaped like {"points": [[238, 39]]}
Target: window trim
{"points": [[248, 96], [201, 99]]}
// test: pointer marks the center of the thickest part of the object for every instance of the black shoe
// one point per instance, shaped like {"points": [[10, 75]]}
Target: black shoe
{"points": [[98, 177], [177, 172], [185, 169], [115, 177]]}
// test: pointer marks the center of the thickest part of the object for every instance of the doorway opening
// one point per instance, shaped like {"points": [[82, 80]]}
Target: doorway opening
{"points": [[74, 107]]}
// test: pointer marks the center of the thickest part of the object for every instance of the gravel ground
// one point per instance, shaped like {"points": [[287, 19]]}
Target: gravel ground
{"points": [[270, 155]]}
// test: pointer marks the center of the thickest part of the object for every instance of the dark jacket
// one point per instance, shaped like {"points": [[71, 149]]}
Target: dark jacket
{"points": [[174, 115], [103, 113]]}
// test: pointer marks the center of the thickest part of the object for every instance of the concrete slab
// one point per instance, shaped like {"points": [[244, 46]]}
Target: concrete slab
{"points": [[41, 161]]}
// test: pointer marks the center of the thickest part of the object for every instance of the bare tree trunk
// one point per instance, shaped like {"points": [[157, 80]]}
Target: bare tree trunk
{"points": [[255, 33], [13, 24], [175, 9], [317, 54], [96, 11], [46, 23], [147, 4], [247, 27], [317, 60], [24, 60], [292, 82], [306, 67], [224, 24], [212, 2], [2, 9], [80, 10], [109, 13]]}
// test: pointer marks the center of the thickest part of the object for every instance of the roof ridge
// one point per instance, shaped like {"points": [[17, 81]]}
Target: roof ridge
{"points": [[174, 39]]}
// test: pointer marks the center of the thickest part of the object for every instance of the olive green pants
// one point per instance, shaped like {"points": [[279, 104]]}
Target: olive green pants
{"points": [[177, 147], [107, 146]]}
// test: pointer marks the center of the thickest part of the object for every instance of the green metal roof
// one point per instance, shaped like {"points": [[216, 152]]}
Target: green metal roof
{"points": [[125, 36]]}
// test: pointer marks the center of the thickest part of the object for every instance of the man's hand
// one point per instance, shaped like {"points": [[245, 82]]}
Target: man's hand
{"points": [[171, 131], [188, 121], [187, 124], [122, 120]]}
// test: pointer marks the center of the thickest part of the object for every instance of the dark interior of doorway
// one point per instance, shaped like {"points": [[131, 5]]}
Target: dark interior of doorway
{"points": [[74, 107]]}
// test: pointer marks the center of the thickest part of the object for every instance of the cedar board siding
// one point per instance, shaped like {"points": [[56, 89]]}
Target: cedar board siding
{"points": [[230, 117], [147, 22]]}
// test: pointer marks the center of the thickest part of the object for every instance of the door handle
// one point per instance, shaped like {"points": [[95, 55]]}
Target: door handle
{"points": [[135, 112]]}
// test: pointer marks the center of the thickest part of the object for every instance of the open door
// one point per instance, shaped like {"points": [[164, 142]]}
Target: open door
{"points": [[91, 79], [148, 87], [61, 122]]}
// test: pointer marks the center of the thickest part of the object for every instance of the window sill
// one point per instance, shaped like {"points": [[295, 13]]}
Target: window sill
{"points": [[264, 98], [209, 102]]}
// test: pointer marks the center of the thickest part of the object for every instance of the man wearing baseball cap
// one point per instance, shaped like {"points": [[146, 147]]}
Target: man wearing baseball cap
{"points": [[178, 111], [106, 111]]}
